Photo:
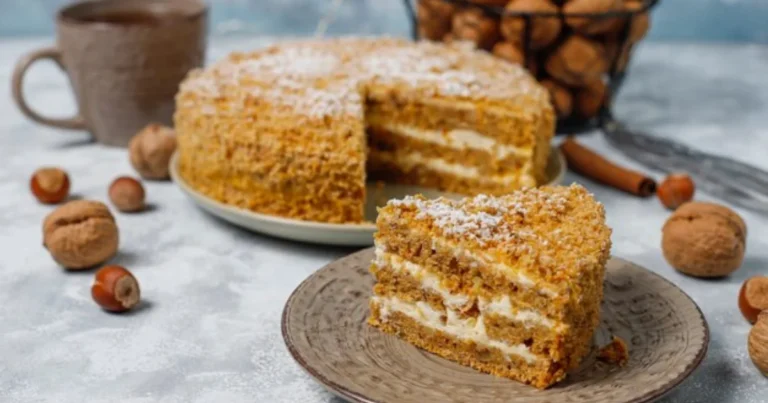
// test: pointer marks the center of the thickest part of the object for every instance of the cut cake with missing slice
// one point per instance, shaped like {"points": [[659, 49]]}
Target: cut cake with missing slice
{"points": [[508, 285]]}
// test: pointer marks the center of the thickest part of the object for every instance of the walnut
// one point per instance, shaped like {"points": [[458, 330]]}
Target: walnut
{"points": [[560, 96], [492, 3], [434, 18], [473, 25], [641, 22], [150, 151], [590, 98], [592, 25], [510, 52], [704, 240], [577, 62], [80, 234], [544, 30], [513, 53]]}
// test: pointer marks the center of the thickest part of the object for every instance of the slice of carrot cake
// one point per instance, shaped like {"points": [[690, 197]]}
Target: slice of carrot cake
{"points": [[508, 285]]}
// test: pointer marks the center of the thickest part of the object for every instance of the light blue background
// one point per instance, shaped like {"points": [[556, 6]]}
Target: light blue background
{"points": [[698, 20]]}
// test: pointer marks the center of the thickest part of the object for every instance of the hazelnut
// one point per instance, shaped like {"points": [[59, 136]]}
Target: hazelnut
{"points": [[560, 96], [115, 289], [757, 343], [151, 150], [50, 185], [473, 25], [704, 240], [753, 297], [577, 62], [592, 25], [544, 30], [590, 99], [127, 194], [80, 234], [676, 190]]}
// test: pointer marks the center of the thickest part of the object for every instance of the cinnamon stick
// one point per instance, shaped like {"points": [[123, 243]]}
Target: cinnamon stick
{"points": [[590, 164]]}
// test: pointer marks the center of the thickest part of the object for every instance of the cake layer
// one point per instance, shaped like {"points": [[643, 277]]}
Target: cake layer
{"points": [[463, 276], [553, 236], [432, 146], [465, 347], [254, 117], [413, 168], [503, 323], [469, 274]]}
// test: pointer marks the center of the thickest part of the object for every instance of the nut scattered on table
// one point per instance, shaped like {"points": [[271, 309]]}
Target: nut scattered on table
{"points": [[544, 30], [80, 234], [757, 343], [151, 150], [115, 289], [753, 297], [50, 185], [127, 194], [675, 190], [704, 240]]}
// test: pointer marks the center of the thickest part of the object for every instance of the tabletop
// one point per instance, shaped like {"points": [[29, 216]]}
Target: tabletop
{"points": [[209, 327]]}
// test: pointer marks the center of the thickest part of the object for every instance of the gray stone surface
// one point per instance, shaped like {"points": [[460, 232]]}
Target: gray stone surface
{"points": [[209, 329]]}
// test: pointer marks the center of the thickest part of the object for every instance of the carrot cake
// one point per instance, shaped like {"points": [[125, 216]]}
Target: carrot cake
{"points": [[508, 285], [296, 129]]}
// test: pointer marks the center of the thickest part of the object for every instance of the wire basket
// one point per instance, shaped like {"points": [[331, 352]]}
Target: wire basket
{"points": [[528, 44]]}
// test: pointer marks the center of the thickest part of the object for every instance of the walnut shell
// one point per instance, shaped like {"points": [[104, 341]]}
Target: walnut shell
{"points": [[590, 98], [757, 343], [560, 96], [81, 234], [473, 25], [150, 151], [512, 53], [577, 62], [592, 25], [704, 240], [492, 3], [434, 18], [544, 30], [641, 23]]}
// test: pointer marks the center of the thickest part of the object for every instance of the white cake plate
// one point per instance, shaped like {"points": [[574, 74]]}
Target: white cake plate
{"points": [[324, 233]]}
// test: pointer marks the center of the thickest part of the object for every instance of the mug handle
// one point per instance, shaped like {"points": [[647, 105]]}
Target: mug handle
{"points": [[75, 123]]}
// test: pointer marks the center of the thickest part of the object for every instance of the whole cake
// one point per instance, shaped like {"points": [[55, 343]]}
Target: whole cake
{"points": [[296, 129], [508, 285]]}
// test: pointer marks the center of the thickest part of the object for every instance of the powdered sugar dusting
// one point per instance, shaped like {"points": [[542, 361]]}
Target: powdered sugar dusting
{"points": [[318, 79], [512, 222]]}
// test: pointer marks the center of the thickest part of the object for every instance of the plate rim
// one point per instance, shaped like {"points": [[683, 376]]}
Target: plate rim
{"points": [[345, 393], [314, 225]]}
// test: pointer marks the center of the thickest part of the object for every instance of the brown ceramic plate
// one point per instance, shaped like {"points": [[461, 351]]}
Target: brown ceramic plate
{"points": [[324, 327]]}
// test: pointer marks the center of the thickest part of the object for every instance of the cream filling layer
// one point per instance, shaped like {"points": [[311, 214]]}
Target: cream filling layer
{"points": [[470, 329], [460, 139], [409, 160], [501, 306], [510, 272]]}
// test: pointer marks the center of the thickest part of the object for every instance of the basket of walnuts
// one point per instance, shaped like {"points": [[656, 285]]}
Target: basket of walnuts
{"points": [[578, 49]]}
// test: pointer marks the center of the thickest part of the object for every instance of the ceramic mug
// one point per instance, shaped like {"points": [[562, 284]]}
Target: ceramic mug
{"points": [[124, 59]]}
